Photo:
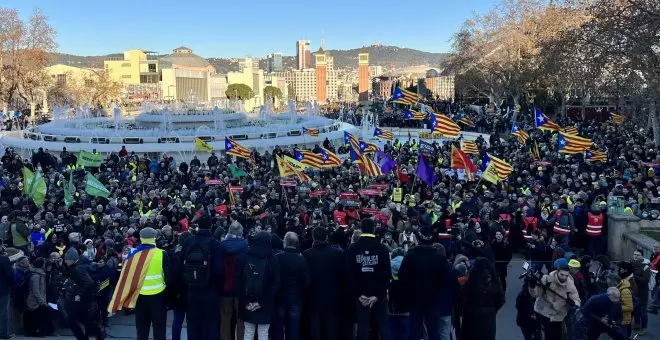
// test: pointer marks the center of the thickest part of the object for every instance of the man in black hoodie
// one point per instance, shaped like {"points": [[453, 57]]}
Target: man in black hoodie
{"points": [[369, 275], [426, 273]]}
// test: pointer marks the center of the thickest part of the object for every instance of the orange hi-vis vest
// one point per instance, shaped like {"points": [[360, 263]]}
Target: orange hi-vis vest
{"points": [[594, 224], [559, 229]]}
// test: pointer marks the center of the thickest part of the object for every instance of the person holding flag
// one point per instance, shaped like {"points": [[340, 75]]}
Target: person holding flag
{"points": [[141, 286]]}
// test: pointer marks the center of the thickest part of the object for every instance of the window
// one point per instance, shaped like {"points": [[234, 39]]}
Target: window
{"points": [[152, 67], [61, 80], [89, 82]]}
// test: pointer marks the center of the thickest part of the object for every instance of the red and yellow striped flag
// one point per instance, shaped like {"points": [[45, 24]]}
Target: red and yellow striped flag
{"points": [[469, 147], [131, 279]]}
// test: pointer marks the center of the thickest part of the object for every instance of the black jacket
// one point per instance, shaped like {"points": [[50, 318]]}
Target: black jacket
{"points": [[83, 287], [369, 270], [6, 276], [326, 272], [294, 277], [426, 274], [260, 248], [213, 289]]}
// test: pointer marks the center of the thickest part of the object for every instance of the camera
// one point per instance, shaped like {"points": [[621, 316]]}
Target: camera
{"points": [[531, 278]]}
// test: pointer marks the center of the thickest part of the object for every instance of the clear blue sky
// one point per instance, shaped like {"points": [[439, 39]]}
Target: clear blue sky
{"points": [[233, 28]]}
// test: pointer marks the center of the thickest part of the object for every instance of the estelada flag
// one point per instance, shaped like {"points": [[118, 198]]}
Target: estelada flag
{"points": [[131, 279]]}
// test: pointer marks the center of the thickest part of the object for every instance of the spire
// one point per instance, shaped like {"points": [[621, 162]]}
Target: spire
{"points": [[322, 40]]}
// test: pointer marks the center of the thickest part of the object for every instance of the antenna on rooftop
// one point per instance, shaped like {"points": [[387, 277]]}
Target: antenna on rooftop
{"points": [[323, 40]]}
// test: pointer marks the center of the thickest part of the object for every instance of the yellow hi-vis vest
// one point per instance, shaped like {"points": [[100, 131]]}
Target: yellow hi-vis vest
{"points": [[154, 281]]}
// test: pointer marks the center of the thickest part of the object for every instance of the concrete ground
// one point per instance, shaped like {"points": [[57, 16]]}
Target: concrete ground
{"points": [[123, 327]]}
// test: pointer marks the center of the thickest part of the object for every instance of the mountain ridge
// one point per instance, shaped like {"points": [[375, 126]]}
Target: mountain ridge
{"points": [[380, 55]]}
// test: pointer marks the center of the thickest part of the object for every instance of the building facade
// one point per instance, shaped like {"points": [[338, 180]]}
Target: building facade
{"points": [[275, 62], [303, 54], [303, 84], [382, 87], [439, 86], [363, 76], [138, 71], [250, 75], [321, 76]]}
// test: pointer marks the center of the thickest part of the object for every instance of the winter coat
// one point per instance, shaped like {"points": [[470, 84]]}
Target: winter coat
{"points": [[642, 276], [548, 303], [480, 308], [369, 268], [260, 249], [6, 276], [525, 307], [502, 255], [294, 277], [398, 302], [427, 277], [327, 278], [212, 291], [37, 289], [626, 301], [233, 247]]}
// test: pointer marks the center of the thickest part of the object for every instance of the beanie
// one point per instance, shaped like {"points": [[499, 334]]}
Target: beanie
{"points": [[71, 255]]}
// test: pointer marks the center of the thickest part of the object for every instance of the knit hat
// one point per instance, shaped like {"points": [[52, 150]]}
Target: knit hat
{"points": [[560, 262], [574, 263], [235, 229], [71, 255], [425, 233], [148, 235]]}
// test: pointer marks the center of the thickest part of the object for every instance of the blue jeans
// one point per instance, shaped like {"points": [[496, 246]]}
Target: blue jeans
{"points": [[287, 323], [438, 326], [399, 327], [177, 323], [5, 322]]}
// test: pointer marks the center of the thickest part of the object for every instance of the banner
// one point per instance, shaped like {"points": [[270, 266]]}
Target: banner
{"points": [[317, 193], [88, 159], [288, 182], [214, 182], [378, 186], [425, 148], [233, 188], [348, 196], [372, 212], [370, 192], [429, 135]]}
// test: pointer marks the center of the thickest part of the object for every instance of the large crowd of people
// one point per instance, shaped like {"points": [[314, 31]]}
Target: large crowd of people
{"points": [[245, 255]]}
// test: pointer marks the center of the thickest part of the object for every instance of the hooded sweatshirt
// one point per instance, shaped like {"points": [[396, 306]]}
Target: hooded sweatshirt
{"points": [[551, 305]]}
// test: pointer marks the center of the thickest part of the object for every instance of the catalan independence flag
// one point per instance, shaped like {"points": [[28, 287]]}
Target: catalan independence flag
{"points": [[311, 132], [534, 149], [404, 96], [520, 134], [465, 120], [503, 168], [234, 149], [595, 156], [459, 160], [571, 130], [330, 159], [383, 134], [414, 115], [350, 139], [367, 147], [615, 118], [469, 147], [444, 125], [131, 278], [563, 146], [321, 160], [576, 141], [542, 122], [366, 164]]}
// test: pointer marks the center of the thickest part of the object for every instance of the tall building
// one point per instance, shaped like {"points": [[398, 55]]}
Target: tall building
{"points": [[275, 62], [363, 75], [249, 74], [303, 54], [440, 85], [321, 76], [382, 87], [303, 84]]}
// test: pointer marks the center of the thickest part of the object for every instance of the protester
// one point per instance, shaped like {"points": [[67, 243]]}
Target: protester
{"points": [[556, 295], [294, 282], [482, 297], [234, 248]]}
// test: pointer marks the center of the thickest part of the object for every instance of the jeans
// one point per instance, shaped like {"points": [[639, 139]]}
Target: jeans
{"points": [[655, 296], [151, 310], [364, 316], [594, 246], [641, 315], [79, 313], [5, 322], [399, 327], [230, 326], [178, 316], [260, 330], [438, 326], [287, 323]]}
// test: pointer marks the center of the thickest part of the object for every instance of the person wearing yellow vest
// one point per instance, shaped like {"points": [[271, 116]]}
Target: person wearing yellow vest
{"points": [[151, 305]]}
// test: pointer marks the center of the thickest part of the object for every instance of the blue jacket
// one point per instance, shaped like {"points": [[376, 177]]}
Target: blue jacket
{"points": [[599, 306], [236, 247]]}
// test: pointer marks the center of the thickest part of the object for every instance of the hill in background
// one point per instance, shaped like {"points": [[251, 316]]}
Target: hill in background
{"points": [[381, 55]]}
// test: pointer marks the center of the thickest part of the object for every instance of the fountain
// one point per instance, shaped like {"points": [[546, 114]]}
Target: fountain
{"points": [[368, 123]]}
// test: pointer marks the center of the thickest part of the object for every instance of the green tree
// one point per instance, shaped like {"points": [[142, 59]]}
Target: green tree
{"points": [[272, 92], [240, 91]]}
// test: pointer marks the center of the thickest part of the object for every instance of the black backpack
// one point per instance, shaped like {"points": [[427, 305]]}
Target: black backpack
{"points": [[197, 264], [254, 275]]}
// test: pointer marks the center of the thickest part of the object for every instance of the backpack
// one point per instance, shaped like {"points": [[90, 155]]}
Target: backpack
{"points": [[254, 275], [197, 264], [229, 266]]}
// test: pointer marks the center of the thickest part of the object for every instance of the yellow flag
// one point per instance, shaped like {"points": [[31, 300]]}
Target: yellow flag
{"points": [[284, 167], [201, 145], [490, 174], [295, 163]]}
